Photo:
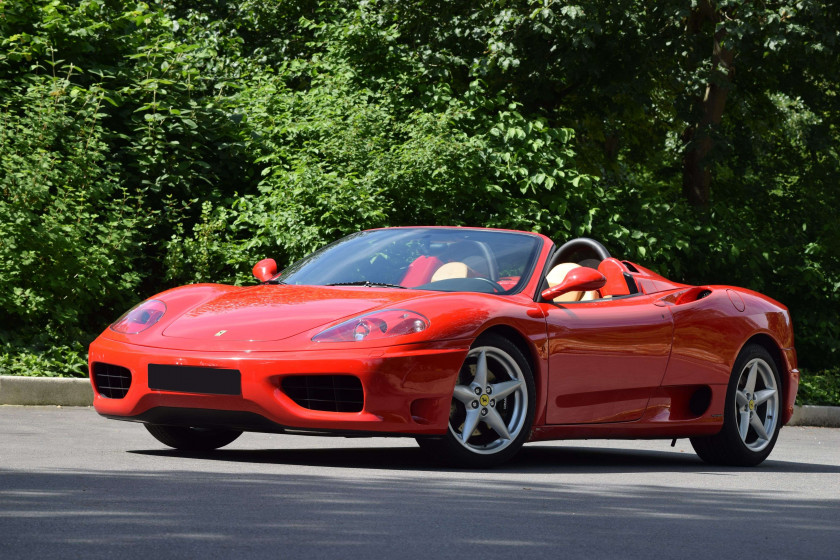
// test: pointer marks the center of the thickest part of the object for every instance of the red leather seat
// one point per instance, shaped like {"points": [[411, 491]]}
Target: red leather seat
{"points": [[420, 271]]}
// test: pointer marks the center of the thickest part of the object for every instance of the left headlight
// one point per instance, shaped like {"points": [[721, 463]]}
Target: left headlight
{"points": [[140, 317], [378, 324]]}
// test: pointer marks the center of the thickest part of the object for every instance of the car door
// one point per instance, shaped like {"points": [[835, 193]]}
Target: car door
{"points": [[606, 357]]}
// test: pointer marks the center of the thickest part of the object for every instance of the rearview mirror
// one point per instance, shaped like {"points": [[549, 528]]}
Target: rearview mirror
{"points": [[265, 270], [580, 279]]}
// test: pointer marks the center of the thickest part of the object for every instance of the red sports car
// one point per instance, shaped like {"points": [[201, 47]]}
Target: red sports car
{"points": [[473, 341]]}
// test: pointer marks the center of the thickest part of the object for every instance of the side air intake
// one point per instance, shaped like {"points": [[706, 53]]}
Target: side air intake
{"points": [[333, 393], [111, 381]]}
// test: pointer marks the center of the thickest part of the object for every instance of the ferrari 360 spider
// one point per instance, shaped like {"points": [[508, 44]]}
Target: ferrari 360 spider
{"points": [[473, 341]]}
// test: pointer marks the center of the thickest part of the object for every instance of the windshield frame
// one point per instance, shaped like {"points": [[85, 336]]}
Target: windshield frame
{"points": [[439, 232]]}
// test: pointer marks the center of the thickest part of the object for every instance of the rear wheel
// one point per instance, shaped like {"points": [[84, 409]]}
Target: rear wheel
{"points": [[492, 406], [752, 417], [192, 439]]}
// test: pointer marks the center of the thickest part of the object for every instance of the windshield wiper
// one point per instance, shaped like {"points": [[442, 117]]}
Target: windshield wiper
{"points": [[368, 284]]}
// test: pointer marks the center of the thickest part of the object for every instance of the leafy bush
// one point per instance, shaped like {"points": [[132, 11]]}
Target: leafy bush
{"points": [[51, 361], [820, 388], [65, 220], [111, 128]]}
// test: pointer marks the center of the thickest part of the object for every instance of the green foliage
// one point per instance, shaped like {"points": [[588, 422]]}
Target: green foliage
{"points": [[144, 145], [820, 389], [51, 361], [368, 147], [111, 128], [65, 220]]}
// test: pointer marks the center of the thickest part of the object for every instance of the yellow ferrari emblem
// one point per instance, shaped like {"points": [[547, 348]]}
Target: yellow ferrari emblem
{"points": [[485, 400], [752, 405]]}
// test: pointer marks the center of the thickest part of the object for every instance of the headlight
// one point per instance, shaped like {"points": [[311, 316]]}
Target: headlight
{"points": [[372, 326], [140, 317]]}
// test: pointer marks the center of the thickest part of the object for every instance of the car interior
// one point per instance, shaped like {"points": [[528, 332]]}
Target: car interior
{"points": [[474, 259]]}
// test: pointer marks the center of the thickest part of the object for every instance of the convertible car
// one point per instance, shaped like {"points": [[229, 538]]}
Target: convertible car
{"points": [[473, 341]]}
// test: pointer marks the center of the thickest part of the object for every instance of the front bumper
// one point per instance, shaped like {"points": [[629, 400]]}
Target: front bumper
{"points": [[407, 388], [790, 383]]}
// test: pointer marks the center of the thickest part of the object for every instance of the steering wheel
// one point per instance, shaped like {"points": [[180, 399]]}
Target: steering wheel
{"points": [[492, 267], [497, 288], [578, 245]]}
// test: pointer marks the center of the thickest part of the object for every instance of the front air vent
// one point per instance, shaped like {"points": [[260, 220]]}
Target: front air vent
{"points": [[333, 393], [111, 381]]}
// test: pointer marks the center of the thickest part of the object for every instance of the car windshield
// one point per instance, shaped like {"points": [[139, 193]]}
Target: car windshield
{"points": [[439, 259]]}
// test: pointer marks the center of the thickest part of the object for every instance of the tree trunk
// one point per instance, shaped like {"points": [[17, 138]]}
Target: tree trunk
{"points": [[698, 137]]}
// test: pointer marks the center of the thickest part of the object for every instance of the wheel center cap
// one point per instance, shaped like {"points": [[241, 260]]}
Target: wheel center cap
{"points": [[484, 400], [752, 405]]}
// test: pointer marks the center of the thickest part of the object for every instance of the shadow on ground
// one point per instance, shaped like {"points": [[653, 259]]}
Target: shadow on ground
{"points": [[532, 459], [194, 514]]}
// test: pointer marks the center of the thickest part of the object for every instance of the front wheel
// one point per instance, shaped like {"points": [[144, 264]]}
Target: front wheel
{"points": [[492, 406], [192, 439], [752, 417]]}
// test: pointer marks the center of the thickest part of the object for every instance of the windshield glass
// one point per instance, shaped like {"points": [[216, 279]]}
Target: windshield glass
{"points": [[440, 259]]}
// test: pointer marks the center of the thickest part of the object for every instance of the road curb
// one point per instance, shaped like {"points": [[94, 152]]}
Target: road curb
{"points": [[65, 391], [821, 416], [57, 391]]}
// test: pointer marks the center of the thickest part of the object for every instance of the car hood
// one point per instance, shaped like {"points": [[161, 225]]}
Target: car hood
{"points": [[275, 312]]}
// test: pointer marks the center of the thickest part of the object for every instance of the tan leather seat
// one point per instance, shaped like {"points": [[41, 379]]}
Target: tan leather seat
{"points": [[558, 273], [451, 270]]}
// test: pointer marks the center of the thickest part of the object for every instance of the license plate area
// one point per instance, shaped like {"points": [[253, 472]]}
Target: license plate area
{"points": [[191, 379]]}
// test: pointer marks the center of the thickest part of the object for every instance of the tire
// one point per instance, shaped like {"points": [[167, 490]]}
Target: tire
{"points": [[499, 427], [752, 414], [192, 439]]}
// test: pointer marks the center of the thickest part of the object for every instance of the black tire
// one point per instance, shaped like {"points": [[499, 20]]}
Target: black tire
{"points": [[192, 439], [752, 415], [507, 373]]}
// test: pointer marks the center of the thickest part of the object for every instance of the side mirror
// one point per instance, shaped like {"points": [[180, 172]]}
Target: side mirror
{"points": [[265, 270], [582, 279]]}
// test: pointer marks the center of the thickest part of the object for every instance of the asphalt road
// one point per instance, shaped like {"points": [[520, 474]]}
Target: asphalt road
{"points": [[75, 485]]}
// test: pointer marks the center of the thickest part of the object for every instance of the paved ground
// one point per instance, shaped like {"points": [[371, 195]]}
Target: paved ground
{"points": [[74, 485]]}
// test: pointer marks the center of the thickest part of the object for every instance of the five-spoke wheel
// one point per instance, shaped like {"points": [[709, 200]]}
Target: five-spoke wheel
{"points": [[492, 405], [757, 404], [751, 419]]}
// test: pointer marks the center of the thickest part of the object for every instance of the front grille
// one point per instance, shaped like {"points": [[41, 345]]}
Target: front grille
{"points": [[334, 393], [111, 381]]}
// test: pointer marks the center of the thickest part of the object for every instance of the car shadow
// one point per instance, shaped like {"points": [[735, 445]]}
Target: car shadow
{"points": [[534, 459]]}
